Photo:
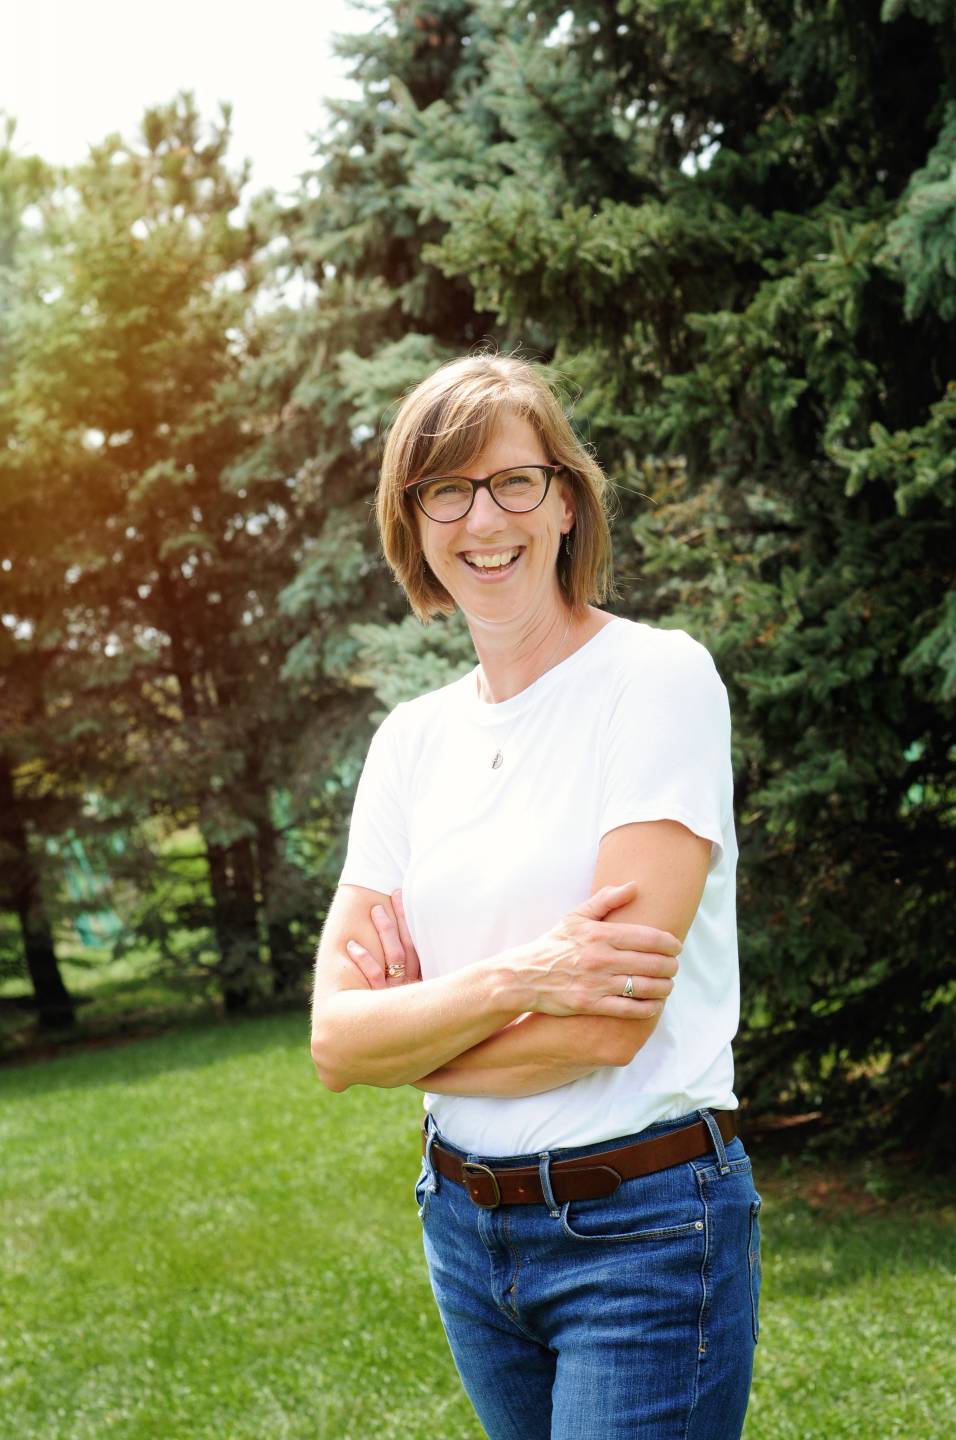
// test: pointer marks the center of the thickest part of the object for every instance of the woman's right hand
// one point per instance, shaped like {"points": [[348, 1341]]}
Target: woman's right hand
{"points": [[401, 963], [580, 965]]}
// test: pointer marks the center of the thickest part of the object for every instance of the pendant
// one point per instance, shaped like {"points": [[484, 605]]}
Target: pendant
{"points": [[498, 761]]}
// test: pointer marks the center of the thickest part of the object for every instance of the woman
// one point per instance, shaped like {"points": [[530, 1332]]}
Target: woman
{"points": [[540, 837]]}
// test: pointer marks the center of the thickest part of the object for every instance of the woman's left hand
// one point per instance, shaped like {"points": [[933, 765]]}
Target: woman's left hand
{"points": [[401, 957]]}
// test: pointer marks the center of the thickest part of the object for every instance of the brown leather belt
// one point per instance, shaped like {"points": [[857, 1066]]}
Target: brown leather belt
{"points": [[586, 1177]]}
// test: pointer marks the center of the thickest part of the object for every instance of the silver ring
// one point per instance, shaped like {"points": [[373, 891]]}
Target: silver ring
{"points": [[628, 991]]}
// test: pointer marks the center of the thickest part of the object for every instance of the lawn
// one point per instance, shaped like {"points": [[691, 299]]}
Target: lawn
{"points": [[200, 1242]]}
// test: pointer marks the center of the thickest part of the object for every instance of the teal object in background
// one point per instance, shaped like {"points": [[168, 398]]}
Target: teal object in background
{"points": [[96, 924]]}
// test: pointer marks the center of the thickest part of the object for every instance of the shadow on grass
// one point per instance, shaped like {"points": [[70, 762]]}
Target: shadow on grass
{"points": [[152, 1045], [835, 1257], [835, 1227]]}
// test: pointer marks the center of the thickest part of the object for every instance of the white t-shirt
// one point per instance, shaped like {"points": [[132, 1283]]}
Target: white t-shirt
{"points": [[635, 725]]}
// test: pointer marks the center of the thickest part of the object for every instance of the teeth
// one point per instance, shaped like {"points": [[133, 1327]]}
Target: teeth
{"points": [[491, 562]]}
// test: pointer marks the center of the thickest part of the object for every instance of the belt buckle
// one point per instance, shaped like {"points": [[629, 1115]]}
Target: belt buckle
{"points": [[471, 1168]]}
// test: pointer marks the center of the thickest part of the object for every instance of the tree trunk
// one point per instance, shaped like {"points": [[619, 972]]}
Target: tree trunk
{"points": [[287, 962], [231, 867], [22, 883], [232, 878]]}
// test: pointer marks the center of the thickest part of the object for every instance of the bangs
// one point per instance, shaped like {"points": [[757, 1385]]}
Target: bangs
{"points": [[456, 427]]}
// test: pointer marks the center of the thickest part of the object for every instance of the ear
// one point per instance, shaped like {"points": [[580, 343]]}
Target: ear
{"points": [[569, 512]]}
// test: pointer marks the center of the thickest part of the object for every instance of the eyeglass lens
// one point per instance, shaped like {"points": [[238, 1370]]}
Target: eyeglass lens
{"points": [[449, 497]]}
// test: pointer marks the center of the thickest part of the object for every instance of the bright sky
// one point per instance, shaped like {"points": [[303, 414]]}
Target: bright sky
{"points": [[71, 71]]}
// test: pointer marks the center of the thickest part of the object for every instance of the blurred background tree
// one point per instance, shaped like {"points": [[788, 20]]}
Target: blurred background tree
{"points": [[141, 581], [727, 231], [24, 891]]}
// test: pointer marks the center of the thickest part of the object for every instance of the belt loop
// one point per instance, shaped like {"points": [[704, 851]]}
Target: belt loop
{"points": [[718, 1140], [544, 1171], [431, 1132]]}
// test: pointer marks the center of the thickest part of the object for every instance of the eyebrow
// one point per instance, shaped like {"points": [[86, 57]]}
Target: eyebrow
{"points": [[452, 475]]}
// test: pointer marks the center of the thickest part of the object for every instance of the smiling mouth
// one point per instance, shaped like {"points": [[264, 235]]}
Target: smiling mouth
{"points": [[493, 562]]}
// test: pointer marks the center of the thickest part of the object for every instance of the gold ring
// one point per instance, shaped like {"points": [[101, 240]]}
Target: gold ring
{"points": [[392, 970]]}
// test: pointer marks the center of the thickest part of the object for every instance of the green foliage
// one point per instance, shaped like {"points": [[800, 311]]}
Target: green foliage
{"points": [[405, 660], [728, 228], [922, 240], [141, 579], [731, 228], [320, 380]]}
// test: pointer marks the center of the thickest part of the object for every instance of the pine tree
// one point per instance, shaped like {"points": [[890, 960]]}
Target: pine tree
{"points": [[729, 226], [375, 318]]}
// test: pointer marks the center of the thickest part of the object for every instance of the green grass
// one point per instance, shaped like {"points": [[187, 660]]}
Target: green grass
{"points": [[199, 1242]]}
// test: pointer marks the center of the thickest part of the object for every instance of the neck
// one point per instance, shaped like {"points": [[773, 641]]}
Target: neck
{"points": [[514, 657]]}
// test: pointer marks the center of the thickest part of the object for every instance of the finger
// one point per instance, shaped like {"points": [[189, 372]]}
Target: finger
{"points": [[396, 961], [620, 1008], [413, 969], [635, 962], [388, 934], [645, 987], [367, 964], [609, 897], [642, 938], [661, 967]]}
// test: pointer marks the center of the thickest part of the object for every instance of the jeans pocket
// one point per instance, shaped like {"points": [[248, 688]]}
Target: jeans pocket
{"points": [[662, 1206], [753, 1261]]}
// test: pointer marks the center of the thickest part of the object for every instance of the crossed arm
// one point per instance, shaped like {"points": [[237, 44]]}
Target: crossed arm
{"points": [[501, 1052]]}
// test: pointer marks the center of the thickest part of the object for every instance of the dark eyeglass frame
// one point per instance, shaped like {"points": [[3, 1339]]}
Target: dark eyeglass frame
{"points": [[415, 485]]}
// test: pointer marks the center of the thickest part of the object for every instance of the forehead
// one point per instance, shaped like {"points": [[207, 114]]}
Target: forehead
{"points": [[513, 441]]}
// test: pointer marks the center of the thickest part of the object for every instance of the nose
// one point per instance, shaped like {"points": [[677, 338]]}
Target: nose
{"points": [[485, 516]]}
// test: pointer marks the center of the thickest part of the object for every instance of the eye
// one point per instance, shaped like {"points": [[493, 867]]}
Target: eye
{"points": [[440, 489]]}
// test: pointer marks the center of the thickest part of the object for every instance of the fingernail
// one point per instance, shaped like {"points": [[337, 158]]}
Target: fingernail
{"points": [[378, 910], [353, 948]]}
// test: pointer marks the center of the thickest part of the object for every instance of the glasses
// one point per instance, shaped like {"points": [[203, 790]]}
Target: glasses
{"points": [[449, 497]]}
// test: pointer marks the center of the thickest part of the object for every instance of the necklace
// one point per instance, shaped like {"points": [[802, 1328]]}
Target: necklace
{"points": [[499, 758]]}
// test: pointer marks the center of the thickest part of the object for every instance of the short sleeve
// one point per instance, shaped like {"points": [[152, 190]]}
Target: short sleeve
{"points": [[377, 854], [668, 743]]}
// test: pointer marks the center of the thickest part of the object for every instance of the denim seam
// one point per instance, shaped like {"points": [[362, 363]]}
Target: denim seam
{"points": [[512, 1314], [704, 1305], [753, 1267], [671, 1232], [509, 1242]]}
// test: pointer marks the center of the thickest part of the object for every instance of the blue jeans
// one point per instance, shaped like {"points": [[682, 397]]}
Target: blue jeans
{"points": [[634, 1315]]}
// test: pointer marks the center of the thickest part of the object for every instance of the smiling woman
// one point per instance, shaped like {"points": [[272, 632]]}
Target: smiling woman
{"points": [[441, 431], [530, 849], [503, 522]]}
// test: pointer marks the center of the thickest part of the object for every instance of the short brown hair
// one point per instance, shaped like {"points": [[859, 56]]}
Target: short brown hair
{"points": [[448, 419]]}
